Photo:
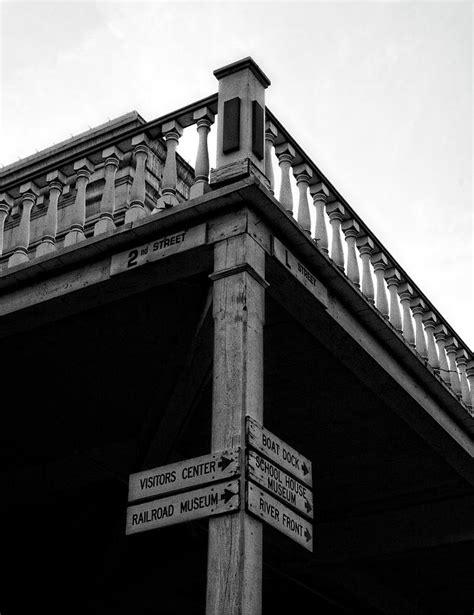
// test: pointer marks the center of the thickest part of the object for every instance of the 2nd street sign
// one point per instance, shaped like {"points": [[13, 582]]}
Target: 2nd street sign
{"points": [[276, 514], [184, 474], [159, 248], [181, 507], [278, 451], [283, 486]]}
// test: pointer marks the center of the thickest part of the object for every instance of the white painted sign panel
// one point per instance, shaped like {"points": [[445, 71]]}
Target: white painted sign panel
{"points": [[158, 248], [181, 507], [281, 485], [278, 451], [184, 474], [279, 516], [301, 273]]}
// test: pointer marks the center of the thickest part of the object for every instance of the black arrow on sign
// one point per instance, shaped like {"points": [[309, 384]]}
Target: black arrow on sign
{"points": [[304, 467], [223, 463], [307, 535], [307, 505], [227, 495]]}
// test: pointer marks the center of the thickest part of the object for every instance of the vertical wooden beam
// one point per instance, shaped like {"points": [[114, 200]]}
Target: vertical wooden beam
{"points": [[234, 581]]}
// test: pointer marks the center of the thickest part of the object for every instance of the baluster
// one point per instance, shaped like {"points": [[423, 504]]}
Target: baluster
{"points": [[418, 307], [470, 379], [452, 347], [366, 247], [285, 154], [84, 168], [440, 334], [204, 119], [379, 263], [336, 213], [405, 292], [29, 193], [303, 174], [461, 360], [136, 208], [320, 195], [56, 181], [271, 134], [393, 279], [351, 230], [106, 223], [172, 131], [429, 320], [6, 204]]}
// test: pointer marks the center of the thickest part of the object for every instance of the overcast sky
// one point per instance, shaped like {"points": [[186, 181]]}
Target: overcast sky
{"points": [[379, 94]]}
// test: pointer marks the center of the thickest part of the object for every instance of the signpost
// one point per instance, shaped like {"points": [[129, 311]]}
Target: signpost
{"points": [[158, 248], [188, 506], [278, 451], [276, 514], [281, 489], [282, 485], [278, 488], [184, 474]]}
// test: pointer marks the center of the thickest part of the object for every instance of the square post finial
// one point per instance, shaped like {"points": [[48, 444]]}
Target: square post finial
{"points": [[241, 114]]}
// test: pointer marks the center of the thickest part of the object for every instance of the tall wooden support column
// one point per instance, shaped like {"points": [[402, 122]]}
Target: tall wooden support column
{"points": [[234, 575]]}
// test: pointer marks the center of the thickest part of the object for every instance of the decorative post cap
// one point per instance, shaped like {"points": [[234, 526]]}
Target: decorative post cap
{"points": [[140, 139], [319, 190], [379, 260], [83, 163], [29, 188], [405, 291], [418, 304], [239, 65], [6, 201], [393, 276], [204, 113], [112, 152], [56, 176], [302, 169], [440, 331], [336, 210]]}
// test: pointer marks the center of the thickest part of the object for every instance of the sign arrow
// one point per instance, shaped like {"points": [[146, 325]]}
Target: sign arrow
{"points": [[305, 469], [224, 462], [308, 506], [227, 495], [307, 535]]}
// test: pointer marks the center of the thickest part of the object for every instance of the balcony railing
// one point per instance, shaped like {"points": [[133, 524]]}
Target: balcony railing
{"points": [[130, 169]]}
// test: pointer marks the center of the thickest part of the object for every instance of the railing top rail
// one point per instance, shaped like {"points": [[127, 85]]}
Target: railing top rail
{"points": [[81, 146], [319, 176], [87, 135]]}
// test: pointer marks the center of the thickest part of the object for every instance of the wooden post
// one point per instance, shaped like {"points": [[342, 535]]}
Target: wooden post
{"points": [[234, 574], [240, 118]]}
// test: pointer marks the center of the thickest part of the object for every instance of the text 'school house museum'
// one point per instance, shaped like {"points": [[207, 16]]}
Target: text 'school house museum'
{"points": [[212, 406]]}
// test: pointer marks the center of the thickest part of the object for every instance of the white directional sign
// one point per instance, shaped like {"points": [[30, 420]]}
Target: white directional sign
{"points": [[285, 487], [184, 474], [158, 248], [294, 266], [276, 514], [278, 451], [181, 507]]}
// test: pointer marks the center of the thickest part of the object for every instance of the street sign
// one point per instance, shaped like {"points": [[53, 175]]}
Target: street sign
{"points": [[279, 516], [283, 486], [158, 248], [278, 451], [181, 507], [184, 474], [303, 275]]}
